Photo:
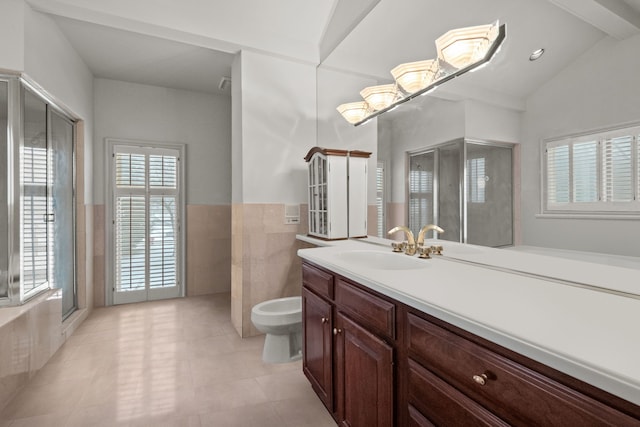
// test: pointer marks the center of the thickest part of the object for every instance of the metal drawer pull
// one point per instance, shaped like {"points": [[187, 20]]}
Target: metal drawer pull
{"points": [[325, 320], [337, 331], [481, 379]]}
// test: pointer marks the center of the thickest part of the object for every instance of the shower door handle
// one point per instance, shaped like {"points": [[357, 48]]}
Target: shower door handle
{"points": [[49, 217]]}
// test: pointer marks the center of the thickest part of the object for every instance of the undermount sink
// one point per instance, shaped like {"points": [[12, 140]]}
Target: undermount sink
{"points": [[382, 260]]}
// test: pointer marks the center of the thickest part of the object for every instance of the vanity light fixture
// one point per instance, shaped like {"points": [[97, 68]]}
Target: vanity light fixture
{"points": [[414, 76], [536, 54], [459, 51], [465, 46], [355, 112], [380, 97]]}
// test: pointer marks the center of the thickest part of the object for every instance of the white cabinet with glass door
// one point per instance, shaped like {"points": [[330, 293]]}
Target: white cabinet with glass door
{"points": [[337, 193]]}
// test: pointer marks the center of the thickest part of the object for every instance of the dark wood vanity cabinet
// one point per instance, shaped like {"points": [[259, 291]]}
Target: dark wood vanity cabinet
{"points": [[346, 359], [318, 345], [471, 380], [378, 362]]}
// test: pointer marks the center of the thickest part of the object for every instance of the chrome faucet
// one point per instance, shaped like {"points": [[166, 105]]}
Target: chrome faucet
{"points": [[424, 230], [410, 247]]}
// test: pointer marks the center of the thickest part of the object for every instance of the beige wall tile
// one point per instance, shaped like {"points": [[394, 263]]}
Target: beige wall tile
{"points": [[28, 341], [98, 281], [264, 258], [372, 220], [396, 216], [208, 256]]}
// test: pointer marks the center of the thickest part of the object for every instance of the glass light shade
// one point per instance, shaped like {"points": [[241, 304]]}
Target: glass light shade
{"points": [[465, 46], [414, 76], [354, 112], [380, 97]]}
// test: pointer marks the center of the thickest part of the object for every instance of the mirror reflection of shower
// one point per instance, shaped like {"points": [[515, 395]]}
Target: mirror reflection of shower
{"points": [[4, 183], [466, 187]]}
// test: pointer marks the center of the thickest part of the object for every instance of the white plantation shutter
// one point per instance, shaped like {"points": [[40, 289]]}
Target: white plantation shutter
{"points": [[594, 173], [617, 164], [476, 171], [146, 218], [380, 199], [163, 171], [637, 166], [558, 174], [130, 243], [35, 222], [585, 171], [420, 198]]}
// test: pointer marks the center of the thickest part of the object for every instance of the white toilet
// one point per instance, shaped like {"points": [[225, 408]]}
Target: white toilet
{"points": [[281, 320]]}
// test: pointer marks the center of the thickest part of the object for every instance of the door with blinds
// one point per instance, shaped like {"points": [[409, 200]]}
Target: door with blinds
{"points": [[146, 223]]}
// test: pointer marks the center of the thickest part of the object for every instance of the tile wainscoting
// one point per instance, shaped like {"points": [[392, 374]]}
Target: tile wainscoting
{"points": [[264, 257], [207, 257]]}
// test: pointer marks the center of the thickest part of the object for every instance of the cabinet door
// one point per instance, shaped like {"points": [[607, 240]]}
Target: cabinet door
{"points": [[364, 381], [318, 351], [358, 196]]}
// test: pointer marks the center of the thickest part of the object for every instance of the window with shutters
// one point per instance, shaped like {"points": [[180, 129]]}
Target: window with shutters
{"points": [[35, 212], [477, 179], [146, 224], [421, 201], [596, 173], [381, 200]]}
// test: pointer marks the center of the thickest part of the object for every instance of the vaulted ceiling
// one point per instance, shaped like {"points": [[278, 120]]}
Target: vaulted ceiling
{"points": [[189, 44]]}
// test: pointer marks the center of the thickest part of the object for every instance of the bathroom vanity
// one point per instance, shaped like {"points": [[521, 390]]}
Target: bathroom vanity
{"points": [[396, 340]]}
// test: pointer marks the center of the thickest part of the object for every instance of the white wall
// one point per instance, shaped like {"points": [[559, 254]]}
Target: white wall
{"points": [[278, 119], [150, 113], [12, 35], [56, 67], [236, 129], [335, 88], [427, 122], [491, 123], [600, 89]]}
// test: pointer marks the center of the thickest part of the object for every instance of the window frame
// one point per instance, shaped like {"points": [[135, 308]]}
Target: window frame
{"points": [[599, 208]]}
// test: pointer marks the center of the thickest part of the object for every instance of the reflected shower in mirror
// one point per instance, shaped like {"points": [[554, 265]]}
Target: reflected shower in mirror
{"points": [[471, 199], [4, 208]]}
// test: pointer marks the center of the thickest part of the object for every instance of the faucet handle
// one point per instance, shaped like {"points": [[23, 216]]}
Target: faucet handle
{"points": [[424, 252], [398, 246], [436, 249]]}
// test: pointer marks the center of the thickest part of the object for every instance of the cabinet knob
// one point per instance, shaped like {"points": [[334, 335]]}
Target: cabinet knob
{"points": [[337, 331], [325, 320], [481, 379]]}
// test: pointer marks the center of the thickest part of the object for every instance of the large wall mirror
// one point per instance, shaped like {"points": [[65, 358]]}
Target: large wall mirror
{"points": [[493, 108]]}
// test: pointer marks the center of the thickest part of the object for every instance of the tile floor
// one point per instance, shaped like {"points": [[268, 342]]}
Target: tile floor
{"points": [[167, 363]]}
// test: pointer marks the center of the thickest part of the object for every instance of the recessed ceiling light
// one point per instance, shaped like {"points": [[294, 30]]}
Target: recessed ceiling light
{"points": [[536, 54]]}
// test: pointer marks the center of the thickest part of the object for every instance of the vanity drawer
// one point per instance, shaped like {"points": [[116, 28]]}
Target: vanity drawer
{"points": [[371, 311], [443, 405], [513, 392], [318, 280]]}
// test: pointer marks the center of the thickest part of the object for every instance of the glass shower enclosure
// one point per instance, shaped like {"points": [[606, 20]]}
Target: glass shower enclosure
{"points": [[37, 215], [466, 187]]}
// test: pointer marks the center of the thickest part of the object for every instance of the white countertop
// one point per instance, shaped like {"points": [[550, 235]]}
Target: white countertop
{"points": [[586, 332]]}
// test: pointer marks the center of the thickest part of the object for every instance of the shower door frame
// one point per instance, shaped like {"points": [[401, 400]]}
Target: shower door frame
{"points": [[15, 141], [463, 185]]}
